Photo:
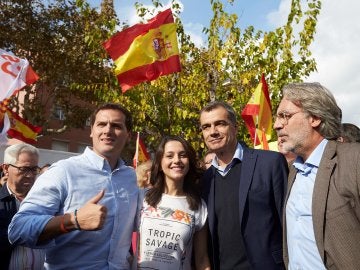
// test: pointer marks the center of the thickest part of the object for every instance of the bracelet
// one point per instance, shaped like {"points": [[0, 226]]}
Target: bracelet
{"points": [[62, 227], [76, 220]]}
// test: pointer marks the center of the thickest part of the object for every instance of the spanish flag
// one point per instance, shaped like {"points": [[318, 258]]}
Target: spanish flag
{"points": [[19, 127], [141, 154], [144, 52], [257, 115]]}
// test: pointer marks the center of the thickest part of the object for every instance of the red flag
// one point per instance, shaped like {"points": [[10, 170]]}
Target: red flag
{"points": [[257, 115], [15, 73], [19, 127], [144, 52], [141, 154]]}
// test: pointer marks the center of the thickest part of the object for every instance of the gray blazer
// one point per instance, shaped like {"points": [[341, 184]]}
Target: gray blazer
{"points": [[335, 206]]}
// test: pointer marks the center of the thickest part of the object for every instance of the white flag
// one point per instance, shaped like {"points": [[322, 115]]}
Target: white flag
{"points": [[15, 73]]}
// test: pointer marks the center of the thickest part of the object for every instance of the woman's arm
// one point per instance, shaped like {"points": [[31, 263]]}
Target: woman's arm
{"points": [[200, 249]]}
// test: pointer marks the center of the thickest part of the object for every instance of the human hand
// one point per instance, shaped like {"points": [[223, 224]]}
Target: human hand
{"points": [[92, 215]]}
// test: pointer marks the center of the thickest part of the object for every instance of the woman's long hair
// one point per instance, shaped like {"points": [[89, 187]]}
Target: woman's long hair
{"points": [[191, 179]]}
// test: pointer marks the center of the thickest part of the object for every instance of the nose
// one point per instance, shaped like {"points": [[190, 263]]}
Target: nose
{"points": [[107, 128], [177, 159], [213, 130], [277, 125]]}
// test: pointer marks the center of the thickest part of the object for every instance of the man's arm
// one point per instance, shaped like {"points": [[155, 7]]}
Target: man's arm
{"points": [[88, 218]]}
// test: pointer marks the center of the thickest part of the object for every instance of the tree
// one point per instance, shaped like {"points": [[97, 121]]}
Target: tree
{"points": [[55, 39], [170, 105], [65, 45]]}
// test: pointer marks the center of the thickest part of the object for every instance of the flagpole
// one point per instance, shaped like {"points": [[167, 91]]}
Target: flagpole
{"points": [[256, 127], [137, 150]]}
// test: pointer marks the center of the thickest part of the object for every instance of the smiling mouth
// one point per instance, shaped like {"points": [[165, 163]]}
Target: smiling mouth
{"points": [[215, 140], [177, 168], [107, 140]]}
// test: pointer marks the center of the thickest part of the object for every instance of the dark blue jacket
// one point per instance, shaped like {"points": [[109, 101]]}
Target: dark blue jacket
{"points": [[7, 211], [263, 182]]}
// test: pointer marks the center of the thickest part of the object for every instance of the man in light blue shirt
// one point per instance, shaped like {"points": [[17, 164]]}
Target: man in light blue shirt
{"points": [[83, 209], [322, 206]]}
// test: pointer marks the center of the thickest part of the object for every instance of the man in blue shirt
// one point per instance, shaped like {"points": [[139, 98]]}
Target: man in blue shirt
{"points": [[82, 209], [322, 209]]}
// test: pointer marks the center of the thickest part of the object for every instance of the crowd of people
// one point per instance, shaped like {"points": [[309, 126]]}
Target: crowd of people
{"points": [[239, 208]]}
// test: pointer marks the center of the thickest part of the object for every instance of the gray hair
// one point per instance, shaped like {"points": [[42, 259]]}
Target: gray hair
{"points": [[12, 153], [216, 104], [317, 101]]}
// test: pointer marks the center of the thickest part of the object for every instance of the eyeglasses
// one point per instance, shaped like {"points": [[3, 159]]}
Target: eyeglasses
{"points": [[284, 117], [26, 170]]}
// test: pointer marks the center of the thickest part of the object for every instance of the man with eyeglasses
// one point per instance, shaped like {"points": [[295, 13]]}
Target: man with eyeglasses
{"points": [[322, 208], [244, 190], [21, 169]]}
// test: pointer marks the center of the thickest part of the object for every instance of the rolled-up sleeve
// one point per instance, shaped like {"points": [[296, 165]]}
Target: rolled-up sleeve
{"points": [[40, 205]]}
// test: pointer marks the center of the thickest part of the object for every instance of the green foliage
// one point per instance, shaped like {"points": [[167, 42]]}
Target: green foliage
{"points": [[229, 69], [63, 41]]}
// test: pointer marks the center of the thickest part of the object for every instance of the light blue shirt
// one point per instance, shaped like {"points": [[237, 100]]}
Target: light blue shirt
{"points": [[239, 152], [67, 186], [303, 252]]}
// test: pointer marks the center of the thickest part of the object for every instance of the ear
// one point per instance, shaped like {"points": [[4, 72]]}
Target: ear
{"points": [[315, 121], [5, 168], [129, 137]]}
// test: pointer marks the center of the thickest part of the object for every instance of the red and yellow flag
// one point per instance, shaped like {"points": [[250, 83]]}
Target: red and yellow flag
{"points": [[19, 128], [141, 154], [257, 115], [144, 52]]}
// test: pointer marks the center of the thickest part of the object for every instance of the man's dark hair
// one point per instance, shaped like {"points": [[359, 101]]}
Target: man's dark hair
{"points": [[117, 107]]}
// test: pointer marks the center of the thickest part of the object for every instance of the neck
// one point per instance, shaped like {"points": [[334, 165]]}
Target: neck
{"points": [[310, 148], [18, 194], [224, 157], [174, 189]]}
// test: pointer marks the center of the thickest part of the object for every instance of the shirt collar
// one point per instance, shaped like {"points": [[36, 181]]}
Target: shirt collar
{"points": [[239, 153], [314, 158], [100, 162]]}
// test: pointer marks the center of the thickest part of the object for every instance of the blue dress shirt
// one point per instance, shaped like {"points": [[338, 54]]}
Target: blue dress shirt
{"points": [[303, 252], [67, 186]]}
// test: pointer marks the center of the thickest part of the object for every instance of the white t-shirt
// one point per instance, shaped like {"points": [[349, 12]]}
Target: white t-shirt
{"points": [[166, 233]]}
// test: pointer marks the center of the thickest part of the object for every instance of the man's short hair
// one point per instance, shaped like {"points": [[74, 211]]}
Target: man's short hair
{"points": [[116, 107], [12, 152], [350, 132], [216, 104]]}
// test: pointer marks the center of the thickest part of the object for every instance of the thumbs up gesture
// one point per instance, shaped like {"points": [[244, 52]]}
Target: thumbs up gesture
{"points": [[92, 215]]}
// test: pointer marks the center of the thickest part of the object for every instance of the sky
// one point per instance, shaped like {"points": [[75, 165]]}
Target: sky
{"points": [[335, 47]]}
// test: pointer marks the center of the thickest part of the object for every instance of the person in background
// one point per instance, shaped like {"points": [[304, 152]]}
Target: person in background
{"points": [[143, 172], [208, 158], [3, 178], [83, 209], [349, 133], [173, 216], [21, 169], [45, 168], [322, 208], [290, 156], [244, 190]]}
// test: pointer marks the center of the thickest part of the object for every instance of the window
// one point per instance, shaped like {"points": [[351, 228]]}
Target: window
{"points": [[81, 148], [59, 113], [60, 145]]}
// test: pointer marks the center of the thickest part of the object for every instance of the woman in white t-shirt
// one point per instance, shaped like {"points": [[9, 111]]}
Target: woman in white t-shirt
{"points": [[173, 216]]}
